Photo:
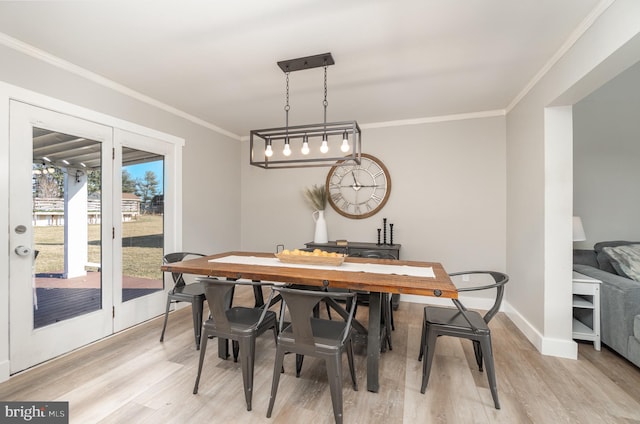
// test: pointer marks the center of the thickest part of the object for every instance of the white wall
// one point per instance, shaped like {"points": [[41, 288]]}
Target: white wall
{"points": [[606, 155], [539, 178], [210, 175], [447, 203]]}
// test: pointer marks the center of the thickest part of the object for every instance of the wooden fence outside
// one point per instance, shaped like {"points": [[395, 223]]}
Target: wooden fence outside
{"points": [[50, 211]]}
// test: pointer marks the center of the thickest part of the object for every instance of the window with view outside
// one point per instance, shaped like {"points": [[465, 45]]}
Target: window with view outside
{"points": [[142, 225]]}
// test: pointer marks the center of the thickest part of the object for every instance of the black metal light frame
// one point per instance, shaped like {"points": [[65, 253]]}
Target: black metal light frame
{"points": [[314, 133], [296, 134]]}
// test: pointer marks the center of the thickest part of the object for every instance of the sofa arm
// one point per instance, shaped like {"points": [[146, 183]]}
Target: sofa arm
{"points": [[619, 304]]}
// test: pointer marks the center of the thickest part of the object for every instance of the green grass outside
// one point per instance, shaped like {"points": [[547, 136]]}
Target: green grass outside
{"points": [[142, 251]]}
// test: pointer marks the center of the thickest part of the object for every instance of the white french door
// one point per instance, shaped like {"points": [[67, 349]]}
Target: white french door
{"points": [[34, 339], [139, 241], [85, 251]]}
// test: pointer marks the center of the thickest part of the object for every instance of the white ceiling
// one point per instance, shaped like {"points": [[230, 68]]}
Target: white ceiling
{"points": [[395, 60]]}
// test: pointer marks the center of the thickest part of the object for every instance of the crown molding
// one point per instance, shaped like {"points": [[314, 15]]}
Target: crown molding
{"points": [[34, 52], [436, 119], [573, 38]]}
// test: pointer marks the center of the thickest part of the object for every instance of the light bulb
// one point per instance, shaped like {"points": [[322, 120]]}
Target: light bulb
{"points": [[345, 146], [268, 152], [287, 150], [324, 147], [305, 146]]}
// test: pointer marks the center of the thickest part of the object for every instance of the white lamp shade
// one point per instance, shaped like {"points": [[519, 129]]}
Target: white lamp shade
{"points": [[578, 229]]}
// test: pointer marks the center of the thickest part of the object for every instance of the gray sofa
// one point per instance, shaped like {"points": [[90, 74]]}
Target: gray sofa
{"points": [[619, 296]]}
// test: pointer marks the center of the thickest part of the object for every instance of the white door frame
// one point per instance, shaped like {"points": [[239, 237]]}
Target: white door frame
{"points": [[8, 92]]}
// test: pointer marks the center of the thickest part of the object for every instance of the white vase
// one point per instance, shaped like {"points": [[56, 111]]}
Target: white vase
{"points": [[321, 227]]}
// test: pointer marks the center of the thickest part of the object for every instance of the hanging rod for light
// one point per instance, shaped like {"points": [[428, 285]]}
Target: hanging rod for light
{"points": [[309, 145]]}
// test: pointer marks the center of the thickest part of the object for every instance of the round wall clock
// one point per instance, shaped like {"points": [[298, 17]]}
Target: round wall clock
{"points": [[358, 191]]}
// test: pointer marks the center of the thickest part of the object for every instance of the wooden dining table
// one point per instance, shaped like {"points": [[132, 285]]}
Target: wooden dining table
{"points": [[398, 279]]}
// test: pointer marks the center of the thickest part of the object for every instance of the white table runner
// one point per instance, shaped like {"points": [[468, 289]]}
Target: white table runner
{"points": [[414, 271]]}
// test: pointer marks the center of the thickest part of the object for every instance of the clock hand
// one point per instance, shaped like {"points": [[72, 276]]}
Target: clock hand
{"points": [[356, 185], [359, 186]]}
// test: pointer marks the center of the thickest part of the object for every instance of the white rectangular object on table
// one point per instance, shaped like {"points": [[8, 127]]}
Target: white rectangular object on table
{"points": [[414, 271]]}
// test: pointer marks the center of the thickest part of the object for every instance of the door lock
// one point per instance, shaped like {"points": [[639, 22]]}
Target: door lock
{"points": [[22, 251]]}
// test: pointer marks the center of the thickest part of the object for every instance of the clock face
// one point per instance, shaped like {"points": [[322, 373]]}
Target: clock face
{"points": [[358, 191]]}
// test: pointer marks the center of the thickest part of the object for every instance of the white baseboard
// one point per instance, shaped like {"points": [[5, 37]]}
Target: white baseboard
{"points": [[546, 346], [5, 370]]}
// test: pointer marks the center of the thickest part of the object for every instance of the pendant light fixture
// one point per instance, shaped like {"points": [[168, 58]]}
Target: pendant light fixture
{"points": [[308, 145]]}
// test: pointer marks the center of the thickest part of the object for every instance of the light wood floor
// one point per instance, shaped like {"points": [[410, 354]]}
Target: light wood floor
{"points": [[133, 378]]}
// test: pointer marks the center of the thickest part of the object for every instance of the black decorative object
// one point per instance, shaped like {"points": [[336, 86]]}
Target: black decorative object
{"points": [[384, 232], [379, 229], [391, 234]]}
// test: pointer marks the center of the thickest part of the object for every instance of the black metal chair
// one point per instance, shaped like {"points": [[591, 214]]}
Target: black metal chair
{"points": [[461, 322], [183, 292], [240, 324], [321, 338]]}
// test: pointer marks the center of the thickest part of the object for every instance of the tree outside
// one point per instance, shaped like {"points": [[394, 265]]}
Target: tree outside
{"points": [[128, 182], [147, 188]]}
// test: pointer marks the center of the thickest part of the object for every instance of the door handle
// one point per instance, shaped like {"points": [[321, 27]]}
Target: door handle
{"points": [[22, 251]]}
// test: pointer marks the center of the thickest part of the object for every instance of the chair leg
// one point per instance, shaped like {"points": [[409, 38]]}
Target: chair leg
{"points": [[247, 356], [328, 310], [386, 313], [393, 325], [429, 348], [352, 368], [276, 379], [203, 349], [197, 309], [423, 338], [487, 350], [275, 337], [477, 350], [166, 317], [299, 360], [334, 369], [235, 347]]}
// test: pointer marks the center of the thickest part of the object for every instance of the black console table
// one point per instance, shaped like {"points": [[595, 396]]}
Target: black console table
{"points": [[355, 248]]}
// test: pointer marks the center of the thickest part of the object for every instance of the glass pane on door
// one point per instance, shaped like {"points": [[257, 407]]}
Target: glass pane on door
{"points": [[67, 202], [142, 222]]}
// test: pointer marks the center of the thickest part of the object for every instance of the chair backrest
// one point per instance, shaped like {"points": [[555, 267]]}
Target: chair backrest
{"points": [[170, 258], [301, 302], [219, 295], [500, 279], [374, 254]]}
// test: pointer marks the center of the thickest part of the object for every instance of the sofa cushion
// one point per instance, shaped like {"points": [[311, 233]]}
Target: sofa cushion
{"points": [[636, 327], [625, 259], [604, 260]]}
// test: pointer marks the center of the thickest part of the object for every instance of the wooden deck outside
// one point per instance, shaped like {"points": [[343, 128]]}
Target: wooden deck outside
{"points": [[58, 299]]}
